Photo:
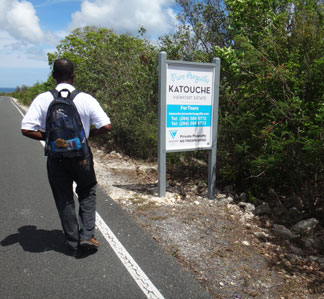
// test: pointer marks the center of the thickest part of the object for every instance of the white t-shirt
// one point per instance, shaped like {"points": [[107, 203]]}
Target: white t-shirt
{"points": [[88, 107]]}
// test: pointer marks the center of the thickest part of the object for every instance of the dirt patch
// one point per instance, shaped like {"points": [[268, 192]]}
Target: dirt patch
{"points": [[231, 252]]}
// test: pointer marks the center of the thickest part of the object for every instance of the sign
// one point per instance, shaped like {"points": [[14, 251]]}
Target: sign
{"points": [[188, 113], [189, 106]]}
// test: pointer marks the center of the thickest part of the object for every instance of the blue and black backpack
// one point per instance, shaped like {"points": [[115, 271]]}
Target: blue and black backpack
{"points": [[65, 135]]}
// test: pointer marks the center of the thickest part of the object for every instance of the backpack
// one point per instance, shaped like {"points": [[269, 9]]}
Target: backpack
{"points": [[64, 133]]}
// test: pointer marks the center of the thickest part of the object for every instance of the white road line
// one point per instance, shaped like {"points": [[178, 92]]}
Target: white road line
{"points": [[127, 260], [133, 268], [14, 103]]}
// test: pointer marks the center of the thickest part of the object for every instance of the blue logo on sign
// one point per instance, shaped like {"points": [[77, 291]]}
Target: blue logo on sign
{"points": [[173, 133]]}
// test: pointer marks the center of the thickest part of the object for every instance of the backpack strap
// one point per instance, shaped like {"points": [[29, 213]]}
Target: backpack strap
{"points": [[73, 94], [54, 93]]}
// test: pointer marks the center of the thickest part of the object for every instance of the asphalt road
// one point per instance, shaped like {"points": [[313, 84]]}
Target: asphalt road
{"points": [[33, 255]]}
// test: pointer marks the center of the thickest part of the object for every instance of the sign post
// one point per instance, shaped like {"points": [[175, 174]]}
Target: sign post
{"points": [[162, 125], [188, 112]]}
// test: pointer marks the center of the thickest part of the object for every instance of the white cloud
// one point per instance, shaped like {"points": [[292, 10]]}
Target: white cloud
{"points": [[21, 63], [126, 15], [19, 19], [53, 2], [24, 44], [19, 54]]}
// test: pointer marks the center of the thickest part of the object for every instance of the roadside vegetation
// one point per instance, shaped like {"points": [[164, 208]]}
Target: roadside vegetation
{"points": [[271, 118]]}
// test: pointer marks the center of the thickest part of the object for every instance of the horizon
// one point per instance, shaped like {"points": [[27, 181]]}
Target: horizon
{"points": [[8, 89]]}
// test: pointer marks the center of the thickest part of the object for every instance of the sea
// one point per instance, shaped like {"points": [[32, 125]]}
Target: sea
{"points": [[7, 89]]}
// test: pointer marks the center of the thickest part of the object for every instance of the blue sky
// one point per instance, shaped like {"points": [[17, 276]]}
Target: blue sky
{"points": [[29, 29]]}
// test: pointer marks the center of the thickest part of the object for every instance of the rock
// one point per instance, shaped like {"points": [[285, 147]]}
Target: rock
{"points": [[313, 243], [310, 245], [229, 199], [243, 197], [247, 207], [294, 214], [261, 236], [319, 243], [199, 162], [220, 195], [278, 210], [321, 261], [296, 250], [229, 189], [293, 258], [312, 258], [263, 209], [283, 232], [225, 200], [304, 227], [172, 200]]}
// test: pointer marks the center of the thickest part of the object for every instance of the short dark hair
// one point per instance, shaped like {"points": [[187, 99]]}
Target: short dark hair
{"points": [[62, 69]]}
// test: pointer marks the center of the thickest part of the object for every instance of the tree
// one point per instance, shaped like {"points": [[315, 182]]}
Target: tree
{"points": [[202, 26], [271, 98], [121, 72], [272, 105]]}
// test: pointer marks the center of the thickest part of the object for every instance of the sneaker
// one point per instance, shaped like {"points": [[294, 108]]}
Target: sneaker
{"points": [[91, 243]]}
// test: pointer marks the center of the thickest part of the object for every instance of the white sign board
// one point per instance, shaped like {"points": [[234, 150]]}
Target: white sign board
{"points": [[189, 107]]}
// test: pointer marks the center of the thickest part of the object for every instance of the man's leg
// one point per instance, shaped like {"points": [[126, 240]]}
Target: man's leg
{"points": [[61, 184], [85, 179], [87, 212]]}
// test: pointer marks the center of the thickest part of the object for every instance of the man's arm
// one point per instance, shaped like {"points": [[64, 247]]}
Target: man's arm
{"points": [[37, 135], [103, 130]]}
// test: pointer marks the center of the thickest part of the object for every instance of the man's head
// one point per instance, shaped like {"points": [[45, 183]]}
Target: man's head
{"points": [[63, 70]]}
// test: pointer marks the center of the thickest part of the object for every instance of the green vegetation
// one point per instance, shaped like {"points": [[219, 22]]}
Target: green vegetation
{"points": [[121, 72], [272, 91], [26, 94], [272, 103]]}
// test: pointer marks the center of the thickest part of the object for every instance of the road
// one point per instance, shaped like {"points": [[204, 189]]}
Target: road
{"points": [[33, 255]]}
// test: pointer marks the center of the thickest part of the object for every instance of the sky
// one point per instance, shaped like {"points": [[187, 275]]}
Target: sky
{"points": [[29, 29]]}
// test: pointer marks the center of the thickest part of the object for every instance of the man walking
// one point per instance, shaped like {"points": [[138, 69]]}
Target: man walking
{"points": [[62, 172]]}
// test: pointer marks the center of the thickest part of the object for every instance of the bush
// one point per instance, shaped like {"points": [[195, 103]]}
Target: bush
{"points": [[121, 72], [27, 94]]}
